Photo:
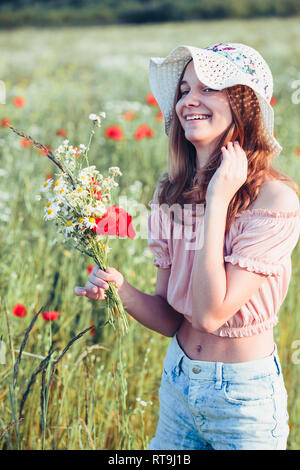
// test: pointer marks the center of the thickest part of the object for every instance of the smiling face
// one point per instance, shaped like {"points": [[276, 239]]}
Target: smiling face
{"points": [[204, 113]]}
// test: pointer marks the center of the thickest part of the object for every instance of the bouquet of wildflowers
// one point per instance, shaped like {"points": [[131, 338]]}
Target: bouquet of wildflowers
{"points": [[77, 200]]}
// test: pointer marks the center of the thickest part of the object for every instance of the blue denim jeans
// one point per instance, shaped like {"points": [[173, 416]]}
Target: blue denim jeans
{"points": [[221, 406]]}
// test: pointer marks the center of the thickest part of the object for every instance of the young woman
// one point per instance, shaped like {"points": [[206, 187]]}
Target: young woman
{"points": [[218, 291]]}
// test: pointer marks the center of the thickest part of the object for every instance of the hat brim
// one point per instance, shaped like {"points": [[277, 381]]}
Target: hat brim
{"points": [[213, 70]]}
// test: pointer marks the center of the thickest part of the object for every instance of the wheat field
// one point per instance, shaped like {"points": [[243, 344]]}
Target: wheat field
{"points": [[104, 391]]}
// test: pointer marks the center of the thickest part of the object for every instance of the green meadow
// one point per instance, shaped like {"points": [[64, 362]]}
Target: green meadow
{"points": [[103, 393]]}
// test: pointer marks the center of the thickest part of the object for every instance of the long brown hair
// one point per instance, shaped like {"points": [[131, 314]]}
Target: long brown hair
{"points": [[182, 183]]}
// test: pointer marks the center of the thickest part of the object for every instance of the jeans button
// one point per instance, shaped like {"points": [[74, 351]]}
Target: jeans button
{"points": [[196, 370]]}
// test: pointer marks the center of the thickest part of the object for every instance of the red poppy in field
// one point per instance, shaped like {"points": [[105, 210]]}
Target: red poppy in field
{"points": [[143, 131], [297, 151], [128, 115], [25, 143], [19, 310], [114, 132], [116, 221], [159, 116], [49, 176], [19, 101], [44, 151], [89, 269], [61, 132], [5, 122], [273, 101], [93, 330], [50, 316], [151, 100]]}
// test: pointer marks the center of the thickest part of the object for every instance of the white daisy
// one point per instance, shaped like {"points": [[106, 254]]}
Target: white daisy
{"points": [[115, 171], [69, 227], [47, 185], [51, 210], [89, 222], [99, 208], [59, 184]]}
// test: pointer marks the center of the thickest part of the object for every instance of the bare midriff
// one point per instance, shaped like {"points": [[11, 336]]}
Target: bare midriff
{"points": [[201, 346]]}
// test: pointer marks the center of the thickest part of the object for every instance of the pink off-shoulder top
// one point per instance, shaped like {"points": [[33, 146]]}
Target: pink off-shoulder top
{"points": [[259, 240]]}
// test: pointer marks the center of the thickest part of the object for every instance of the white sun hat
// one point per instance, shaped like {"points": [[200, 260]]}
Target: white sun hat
{"points": [[218, 66]]}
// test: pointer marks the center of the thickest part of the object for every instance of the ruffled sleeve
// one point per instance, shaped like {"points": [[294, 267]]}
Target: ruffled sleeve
{"points": [[158, 235], [264, 239]]}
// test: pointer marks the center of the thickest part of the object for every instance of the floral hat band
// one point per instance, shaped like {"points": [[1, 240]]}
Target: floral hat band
{"points": [[217, 66]]}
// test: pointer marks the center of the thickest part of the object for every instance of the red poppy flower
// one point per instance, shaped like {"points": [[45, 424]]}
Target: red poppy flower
{"points": [[19, 310], [25, 143], [93, 330], [19, 101], [61, 132], [151, 100], [44, 151], [116, 221], [49, 176], [297, 151], [114, 132], [143, 131], [159, 116], [128, 115], [89, 269], [273, 101], [50, 316], [6, 122]]}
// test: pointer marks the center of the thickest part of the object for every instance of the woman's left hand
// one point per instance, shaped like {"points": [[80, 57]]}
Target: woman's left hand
{"points": [[231, 174]]}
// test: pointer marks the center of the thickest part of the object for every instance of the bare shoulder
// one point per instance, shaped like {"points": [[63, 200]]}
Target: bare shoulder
{"points": [[277, 196]]}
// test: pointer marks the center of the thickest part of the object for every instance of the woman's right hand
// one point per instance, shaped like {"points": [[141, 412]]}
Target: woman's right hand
{"points": [[98, 283]]}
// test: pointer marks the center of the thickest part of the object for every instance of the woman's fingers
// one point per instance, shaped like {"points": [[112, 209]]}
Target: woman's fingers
{"points": [[99, 273], [97, 281], [80, 290], [91, 291]]}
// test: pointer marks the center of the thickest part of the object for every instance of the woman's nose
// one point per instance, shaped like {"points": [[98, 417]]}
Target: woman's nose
{"points": [[192, 99]]}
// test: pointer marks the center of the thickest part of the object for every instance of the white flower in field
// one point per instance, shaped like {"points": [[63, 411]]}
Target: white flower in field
{"points": [[84, 179], [99, 209], [69, 227], [80, 192], [61, 192], [59, 184], [88, 171], [89, 222], [95, 117], [47, 185], [51, 210], [87, 211], [115, 171]]}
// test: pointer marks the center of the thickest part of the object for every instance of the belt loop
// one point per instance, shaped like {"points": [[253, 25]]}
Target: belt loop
{"points": [[218, 384]]}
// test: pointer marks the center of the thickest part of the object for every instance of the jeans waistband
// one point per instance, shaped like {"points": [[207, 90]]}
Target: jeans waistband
{"points": [[204, 370]]}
